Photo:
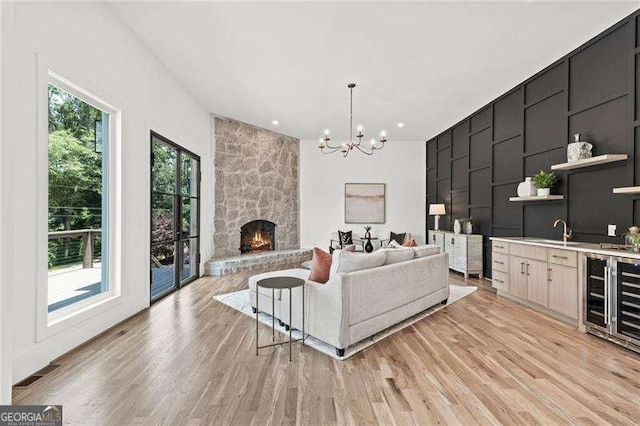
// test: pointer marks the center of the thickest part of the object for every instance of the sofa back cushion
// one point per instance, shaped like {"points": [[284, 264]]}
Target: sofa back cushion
{"points": [[344, 261], [426, 250], [395, 255], [320, 266], [375, 292]]}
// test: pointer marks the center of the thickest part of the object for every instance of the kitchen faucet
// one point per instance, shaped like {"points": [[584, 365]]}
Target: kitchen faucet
{"points": [[565, 236]]}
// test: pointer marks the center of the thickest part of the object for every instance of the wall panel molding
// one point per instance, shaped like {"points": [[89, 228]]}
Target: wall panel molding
{"points": [[593, 90]]}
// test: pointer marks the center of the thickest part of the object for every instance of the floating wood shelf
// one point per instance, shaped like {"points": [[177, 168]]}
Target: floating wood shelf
{"points": [[627, 190], [538, 198], [593, 161]]}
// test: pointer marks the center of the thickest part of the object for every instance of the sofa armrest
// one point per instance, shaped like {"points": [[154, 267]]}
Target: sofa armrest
{"points": [[326, 310]]}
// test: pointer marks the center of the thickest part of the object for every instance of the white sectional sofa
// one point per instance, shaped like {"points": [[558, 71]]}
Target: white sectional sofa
{"points": [[354, 305]]}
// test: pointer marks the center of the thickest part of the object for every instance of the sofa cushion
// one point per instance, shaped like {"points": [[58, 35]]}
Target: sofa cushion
{"points": [[344, 261], [320, 266], [426, 250], [298, 273], [395, 255]]}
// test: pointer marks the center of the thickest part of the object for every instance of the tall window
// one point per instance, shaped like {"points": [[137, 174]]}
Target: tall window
{"points": [[78, 203]]}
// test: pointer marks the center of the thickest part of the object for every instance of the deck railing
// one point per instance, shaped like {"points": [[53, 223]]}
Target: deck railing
{"points": [[88, 236]]}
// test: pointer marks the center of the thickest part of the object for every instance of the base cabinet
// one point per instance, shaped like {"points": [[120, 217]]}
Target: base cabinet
{"points": [[537, 285], [563, 288], [543, 276], [464, 250], [517, 277]]}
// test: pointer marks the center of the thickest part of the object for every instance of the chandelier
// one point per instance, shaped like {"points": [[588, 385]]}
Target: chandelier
{"points": [[346, 147]]}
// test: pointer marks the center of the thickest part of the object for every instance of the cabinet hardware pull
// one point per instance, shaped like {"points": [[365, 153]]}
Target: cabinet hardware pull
{"points": [[500, 247], [500, 281], [453, 241], [528, 269], [521, 268], [498, 262], [560, 257], [549, 279]]}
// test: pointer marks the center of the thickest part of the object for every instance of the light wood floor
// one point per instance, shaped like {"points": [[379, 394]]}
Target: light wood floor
{"points": [[484, 359]]}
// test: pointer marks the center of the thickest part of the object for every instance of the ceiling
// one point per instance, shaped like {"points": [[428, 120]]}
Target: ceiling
{"points": [[427, 65]]}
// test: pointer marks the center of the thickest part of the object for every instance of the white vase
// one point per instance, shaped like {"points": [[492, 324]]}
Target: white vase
{"points": [[457, 228], [543, 192], [526, 188], [468, 228]]}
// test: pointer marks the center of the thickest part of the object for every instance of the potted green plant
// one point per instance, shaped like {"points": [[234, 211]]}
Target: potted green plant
{"points": [[544, 182]]}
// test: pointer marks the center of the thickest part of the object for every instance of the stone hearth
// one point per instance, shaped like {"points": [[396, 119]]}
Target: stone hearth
{"points": [[269, 260]]}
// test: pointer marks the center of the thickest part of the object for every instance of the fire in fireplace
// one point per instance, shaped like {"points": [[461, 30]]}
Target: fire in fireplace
{"points": [[257, 236]]}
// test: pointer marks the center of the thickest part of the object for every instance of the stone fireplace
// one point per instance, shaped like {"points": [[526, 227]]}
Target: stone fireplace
{"points": [[256, 179], [257, 236]]}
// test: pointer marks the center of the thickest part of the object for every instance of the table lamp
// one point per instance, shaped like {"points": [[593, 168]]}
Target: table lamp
{"points": [[436, 210]]}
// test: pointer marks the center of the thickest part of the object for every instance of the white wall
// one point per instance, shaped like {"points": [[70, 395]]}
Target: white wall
{"points": [[88, 41], [322, 177], [5, 305]]}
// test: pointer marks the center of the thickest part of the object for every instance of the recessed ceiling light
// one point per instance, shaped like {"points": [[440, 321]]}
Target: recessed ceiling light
{"points": [[275, 122], [401, 125]]}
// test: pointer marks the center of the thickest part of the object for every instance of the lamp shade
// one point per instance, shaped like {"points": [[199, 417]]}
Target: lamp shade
{"points": [[436, 209]]}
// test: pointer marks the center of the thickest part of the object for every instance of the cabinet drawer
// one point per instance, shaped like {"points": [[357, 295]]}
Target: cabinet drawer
{"points": [[500, 247], [563, 257], [500, 262], [500, 280], [529, 252]]}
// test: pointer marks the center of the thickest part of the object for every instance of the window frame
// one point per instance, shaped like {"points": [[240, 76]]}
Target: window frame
{"points": [[49, 324]]}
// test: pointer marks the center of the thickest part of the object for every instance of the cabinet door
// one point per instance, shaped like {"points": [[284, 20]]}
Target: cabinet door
{"points": [[439, 240], [537, 285], [459, 259], [563, 290], [517, 277], [449, 244]]}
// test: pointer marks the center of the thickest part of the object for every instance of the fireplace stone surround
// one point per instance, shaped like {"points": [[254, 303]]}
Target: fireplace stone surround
{"points": [[256, 177]]}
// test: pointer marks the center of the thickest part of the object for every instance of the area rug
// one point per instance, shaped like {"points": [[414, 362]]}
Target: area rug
{"points": [[239, 301]]}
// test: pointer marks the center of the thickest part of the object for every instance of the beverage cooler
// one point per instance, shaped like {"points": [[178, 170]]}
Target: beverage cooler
{"points": [[612, 298], [597, 280]]}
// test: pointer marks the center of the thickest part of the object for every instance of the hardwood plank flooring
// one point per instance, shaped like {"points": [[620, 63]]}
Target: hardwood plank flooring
{"points": [[483, 360]]}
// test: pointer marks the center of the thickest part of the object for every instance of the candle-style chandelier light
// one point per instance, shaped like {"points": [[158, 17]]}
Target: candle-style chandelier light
{"points": [[346, 147]]}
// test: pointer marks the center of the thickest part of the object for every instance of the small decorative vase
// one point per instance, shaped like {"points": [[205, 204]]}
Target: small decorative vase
{"points": [[543, 192], [368, 247], [457, 228], [526, 188], [468, 228], [578, 150]]}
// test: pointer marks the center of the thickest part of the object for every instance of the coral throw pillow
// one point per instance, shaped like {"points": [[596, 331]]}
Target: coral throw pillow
{"points": [[320, 266], [410, 243]]}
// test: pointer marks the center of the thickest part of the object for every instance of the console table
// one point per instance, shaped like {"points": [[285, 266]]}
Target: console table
{"points": [[464, 250]]}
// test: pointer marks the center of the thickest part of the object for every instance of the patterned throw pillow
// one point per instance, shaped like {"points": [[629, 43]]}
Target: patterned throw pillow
{"points": [[398, 238], [346, 238], [320, 266]]}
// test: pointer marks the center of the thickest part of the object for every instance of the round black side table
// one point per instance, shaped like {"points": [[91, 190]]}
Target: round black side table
{"points": [[280, 283]]}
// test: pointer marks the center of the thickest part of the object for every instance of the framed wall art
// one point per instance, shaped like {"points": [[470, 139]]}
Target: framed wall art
{"points": [[364, 202]]}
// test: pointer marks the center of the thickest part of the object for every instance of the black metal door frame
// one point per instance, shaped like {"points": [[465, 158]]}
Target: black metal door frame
{"points": [[177, 216]]}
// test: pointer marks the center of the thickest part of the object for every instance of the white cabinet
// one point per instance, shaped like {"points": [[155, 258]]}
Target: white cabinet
{"points": [[545, 277], [563, 290], [537, 285], [464, 250]]}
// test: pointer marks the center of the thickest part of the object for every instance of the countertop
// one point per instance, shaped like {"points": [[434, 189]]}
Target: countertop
{"points": [[570, 245]]}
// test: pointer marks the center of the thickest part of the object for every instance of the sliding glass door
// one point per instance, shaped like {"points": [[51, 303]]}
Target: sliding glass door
{"points": [[175, 216]]}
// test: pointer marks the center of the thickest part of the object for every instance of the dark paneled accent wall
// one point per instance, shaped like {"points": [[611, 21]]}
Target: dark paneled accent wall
{"points": [[476, 165]]}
